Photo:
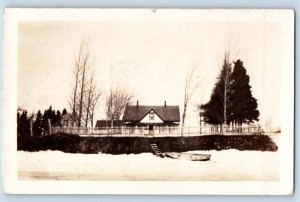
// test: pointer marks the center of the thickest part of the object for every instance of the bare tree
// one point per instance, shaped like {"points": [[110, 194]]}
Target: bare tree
{"points": [[81, 69], [88, 100], [85, 65], [116, 102], [118, 96], [94, 101], [92, 97], [219, 109], [226, 83], [76, 73], [191, 85]]}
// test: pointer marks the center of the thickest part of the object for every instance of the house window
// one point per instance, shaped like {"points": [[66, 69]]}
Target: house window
{"points": [[151, 116]]}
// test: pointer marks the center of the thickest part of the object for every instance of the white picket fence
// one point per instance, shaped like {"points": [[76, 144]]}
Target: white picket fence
{"points": [[158, 131]]}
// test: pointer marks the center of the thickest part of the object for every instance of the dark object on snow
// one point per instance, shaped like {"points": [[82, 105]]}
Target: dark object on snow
{"points": [[187, 156]]}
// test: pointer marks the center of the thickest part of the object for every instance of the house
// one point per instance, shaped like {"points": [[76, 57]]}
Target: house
{"points": [[68, 120], [107, 124], [151, 116]]}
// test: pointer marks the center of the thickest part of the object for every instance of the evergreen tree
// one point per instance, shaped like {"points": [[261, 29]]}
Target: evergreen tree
{"points": [[45, 121], [231, 100], [57, 118], [24, 124], [243, 104], [48, 115], [38, 124], [217, 110], [51, 115], [213, 110], [64, 112]]}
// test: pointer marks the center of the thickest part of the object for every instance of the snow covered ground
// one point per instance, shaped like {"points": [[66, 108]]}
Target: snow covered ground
{"points": [[224, 165]]}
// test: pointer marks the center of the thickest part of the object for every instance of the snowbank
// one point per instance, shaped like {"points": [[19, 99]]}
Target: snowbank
{"points": [[224, 165]]}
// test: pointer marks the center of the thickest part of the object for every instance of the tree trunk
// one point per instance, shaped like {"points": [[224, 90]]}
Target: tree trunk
{"points": [[89, 103], [81, 94], [92, 120], [183, 120]]}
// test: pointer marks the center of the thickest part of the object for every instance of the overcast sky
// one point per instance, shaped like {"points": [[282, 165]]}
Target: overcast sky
{"points": [[150, 59]]}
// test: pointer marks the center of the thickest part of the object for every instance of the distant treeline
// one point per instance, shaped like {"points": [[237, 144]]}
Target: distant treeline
{"points": [[39, 124]]}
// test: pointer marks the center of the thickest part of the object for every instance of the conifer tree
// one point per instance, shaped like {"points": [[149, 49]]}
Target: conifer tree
{"points": [[243, 104], [24, 124], [64, 112], [48, 115], [37, 125], [231, 100], [57, 118]]}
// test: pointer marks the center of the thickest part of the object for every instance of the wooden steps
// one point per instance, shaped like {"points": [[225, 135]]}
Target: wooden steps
{"points": [[156, 151]]}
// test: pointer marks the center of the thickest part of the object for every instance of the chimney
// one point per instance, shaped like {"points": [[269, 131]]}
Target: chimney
{"points": [[137, 103], [165, 103]]}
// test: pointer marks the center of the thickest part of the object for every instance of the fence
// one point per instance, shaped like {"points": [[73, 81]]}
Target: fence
{"points": [[159, 131]]}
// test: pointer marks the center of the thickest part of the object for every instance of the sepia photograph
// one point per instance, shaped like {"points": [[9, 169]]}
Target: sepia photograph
{"points": [[149, 101]]}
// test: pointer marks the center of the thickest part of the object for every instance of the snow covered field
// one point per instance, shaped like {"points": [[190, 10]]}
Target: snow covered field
{"points": [[224, 165]]}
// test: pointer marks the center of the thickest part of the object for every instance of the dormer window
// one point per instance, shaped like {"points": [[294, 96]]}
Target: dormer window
{"points": [[151, 116]]}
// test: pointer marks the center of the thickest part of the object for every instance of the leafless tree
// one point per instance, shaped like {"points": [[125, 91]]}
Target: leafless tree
{"points": [[225, 77], [85, 65], [222, 90], [81, 69], [94, 101], [92, 97], [226, 84], [191, 84], [88, 100], [116, 102], [76, 73]]}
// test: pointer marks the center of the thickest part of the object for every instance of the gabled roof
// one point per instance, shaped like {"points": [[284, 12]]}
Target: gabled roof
{"points": [[137, 113], [107, 123]]}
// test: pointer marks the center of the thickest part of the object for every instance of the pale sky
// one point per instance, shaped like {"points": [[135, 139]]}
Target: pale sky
{"points": [[150, 59]]}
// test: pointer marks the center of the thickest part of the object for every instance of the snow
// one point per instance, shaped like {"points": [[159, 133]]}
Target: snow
{"points": [[224, 165]]}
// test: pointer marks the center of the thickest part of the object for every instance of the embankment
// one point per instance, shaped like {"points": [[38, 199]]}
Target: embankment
{"points": [[128, 145]]}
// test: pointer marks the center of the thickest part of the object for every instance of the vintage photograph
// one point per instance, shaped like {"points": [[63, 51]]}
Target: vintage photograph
{"points": [[151, 95]]}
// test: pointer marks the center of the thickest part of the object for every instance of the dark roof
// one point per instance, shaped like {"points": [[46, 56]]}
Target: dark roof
{"points": [[107, 123], [137, 113]]}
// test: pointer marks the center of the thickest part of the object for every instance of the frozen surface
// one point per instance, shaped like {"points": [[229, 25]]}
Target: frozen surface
{"points": [[224, 165]]}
